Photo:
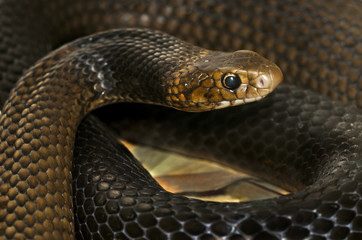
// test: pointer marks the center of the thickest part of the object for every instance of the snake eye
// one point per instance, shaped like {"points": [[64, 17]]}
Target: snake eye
{"points": [[230, 81]]}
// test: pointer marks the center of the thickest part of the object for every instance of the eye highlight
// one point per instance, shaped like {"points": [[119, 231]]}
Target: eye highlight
{"points": [[230, 81]]}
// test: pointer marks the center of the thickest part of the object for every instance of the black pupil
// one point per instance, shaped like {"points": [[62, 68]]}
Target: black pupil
{"points": [[231, 82]]}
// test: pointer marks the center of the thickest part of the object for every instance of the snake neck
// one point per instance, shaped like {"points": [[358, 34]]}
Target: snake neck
{"points": [[130, 65]]}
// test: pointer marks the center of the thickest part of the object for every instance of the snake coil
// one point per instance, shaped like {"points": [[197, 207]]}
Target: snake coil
{"points": [[306, 139]]}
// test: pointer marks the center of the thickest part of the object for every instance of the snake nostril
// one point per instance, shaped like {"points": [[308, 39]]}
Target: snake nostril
{"points": [[261, 82]]}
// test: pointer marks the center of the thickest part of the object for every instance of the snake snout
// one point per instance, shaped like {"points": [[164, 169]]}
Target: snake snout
{"points": [[266, 79], [276, 76]]}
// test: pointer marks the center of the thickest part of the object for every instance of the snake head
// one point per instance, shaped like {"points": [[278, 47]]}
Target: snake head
{"points": [[219, 79]]}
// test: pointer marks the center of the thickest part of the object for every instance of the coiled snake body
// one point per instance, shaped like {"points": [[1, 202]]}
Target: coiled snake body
{"points": [[308, 139]]}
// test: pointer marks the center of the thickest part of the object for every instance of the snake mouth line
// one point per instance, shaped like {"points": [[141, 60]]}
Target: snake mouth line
{"points": [[224, 104]]}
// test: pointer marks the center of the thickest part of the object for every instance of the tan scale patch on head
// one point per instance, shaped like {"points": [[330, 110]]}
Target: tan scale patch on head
{"points": [[198, 95], [182, 97], [251, 92], [241, 92], [208, 83], [174, 98], [244, 79], [263, 91], [216, 76], [214, 95], [181, 88], [227, 95], [175, 90]]}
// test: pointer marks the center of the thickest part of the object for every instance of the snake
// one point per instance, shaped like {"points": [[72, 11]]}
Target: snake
{"points": [[307, 141]]}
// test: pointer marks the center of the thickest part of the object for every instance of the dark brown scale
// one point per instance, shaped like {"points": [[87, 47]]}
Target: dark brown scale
{"points": [[317, 44]]}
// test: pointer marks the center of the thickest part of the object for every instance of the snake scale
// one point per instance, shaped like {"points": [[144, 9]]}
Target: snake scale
{"points": [[294, 137]]}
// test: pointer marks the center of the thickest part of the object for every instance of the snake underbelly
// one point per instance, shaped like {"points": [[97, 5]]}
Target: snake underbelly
{"points": [[306, 139]]}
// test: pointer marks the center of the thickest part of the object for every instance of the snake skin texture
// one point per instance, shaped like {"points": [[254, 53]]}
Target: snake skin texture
{"points": [[296, 134], [317, 44]]}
